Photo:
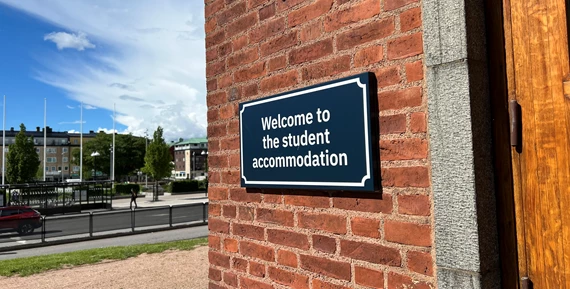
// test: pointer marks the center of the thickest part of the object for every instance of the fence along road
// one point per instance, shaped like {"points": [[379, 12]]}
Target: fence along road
{"points": [[123, 220]]}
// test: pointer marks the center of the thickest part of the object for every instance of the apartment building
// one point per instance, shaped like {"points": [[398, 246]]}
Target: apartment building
{"points": [[189, 157]]}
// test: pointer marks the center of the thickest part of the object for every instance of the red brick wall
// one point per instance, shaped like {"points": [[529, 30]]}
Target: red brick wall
{"points": [[286, 238]]}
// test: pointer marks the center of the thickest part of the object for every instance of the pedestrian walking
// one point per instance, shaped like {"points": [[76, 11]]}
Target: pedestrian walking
{"points": [[133, 198]]}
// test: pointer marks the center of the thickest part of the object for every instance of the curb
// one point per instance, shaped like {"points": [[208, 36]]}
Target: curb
{"points": [[114, 235]]}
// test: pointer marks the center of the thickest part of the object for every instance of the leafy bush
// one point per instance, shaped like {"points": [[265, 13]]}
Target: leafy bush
{"points": [[125, 189], [186, 186]]}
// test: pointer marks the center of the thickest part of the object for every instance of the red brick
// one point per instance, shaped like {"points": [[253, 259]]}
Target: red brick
{"points": [[272, 198], [407, 233], [371, 203], [405, 177], [278, 217], [217, 98], [290, 279], [287, 258], [255, 3], [395, 4], [225, 49], [311, 31], [279, 81], [365, 227], [230, 279], [256, 251], [246, 213], [403, 149], [398, 99], [213, 8], [248, 231], [277, 63], [387, 76], [231, 245], [414, 205], [214, 69], [246, 283], [219, 259], [368, 56], [369, 252], [239, 43], [241, 24], [405, 46], [318, 284], [372, 31], [241, 195], [217, 194], [284, 5], [327, 267], [255, 71], [214, 177], [215, 286], [368, 277], [410, 19], [214, 242], [267, 12], [234, 160], [256, 269], [233, 127], [212, 115], [239, 264], [414, 71], [311, 52], [228, 111], [212, 84], [393, 124], [231, 14], [314, 200], [214, 209], [215, 274], [280, 43], [288, 238], [229, 211], [242, 58], [251, 89], [353, 14], [211, 54], [309, 12], [215, 39], [218, 226], [210, 25], [397, 281], [324, 244], [326, 222], [216, 130], [420, 262], [418, 122], [267, 30], [231, 143], [327, 68]]}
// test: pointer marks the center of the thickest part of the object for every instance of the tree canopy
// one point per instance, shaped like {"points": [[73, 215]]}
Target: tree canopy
{"points": [[22, 161], [158, 159]]}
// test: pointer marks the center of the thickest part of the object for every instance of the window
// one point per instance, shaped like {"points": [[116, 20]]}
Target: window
{"points": [[59, 168], [66, 168], [6, 150], [51, 150], [37, 150], [51, 160], [64, 150], [53, 169], [64, 159], [63, 141], [75, 141], [75, 168], [47, 169]]}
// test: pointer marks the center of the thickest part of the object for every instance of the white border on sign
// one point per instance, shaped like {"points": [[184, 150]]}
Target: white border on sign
{"points": [[366, 137]]}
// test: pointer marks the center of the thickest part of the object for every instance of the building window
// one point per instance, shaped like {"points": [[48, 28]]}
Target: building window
{"points": [[37, 150], [64, 159], [66, 168], [75, 168], [64, 150], [6, 150], [51, 160], [53, 169], [59, 168], [75, 141], [51, 150], [47, 169]]}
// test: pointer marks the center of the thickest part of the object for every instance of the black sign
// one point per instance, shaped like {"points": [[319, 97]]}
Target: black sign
{"points": [[318, 137]]}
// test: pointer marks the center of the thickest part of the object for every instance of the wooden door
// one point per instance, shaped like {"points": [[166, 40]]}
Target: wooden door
{"points": [[537, 67]]}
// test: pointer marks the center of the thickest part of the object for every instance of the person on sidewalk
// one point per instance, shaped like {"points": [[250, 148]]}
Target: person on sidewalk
{"points": [[133, 198]]}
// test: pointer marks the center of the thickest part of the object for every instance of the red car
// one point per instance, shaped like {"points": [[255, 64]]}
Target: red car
{"points": [[22, 219]]}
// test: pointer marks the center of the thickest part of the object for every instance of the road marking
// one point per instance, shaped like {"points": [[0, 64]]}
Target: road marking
{"points": [[159, 215], [21, 242]]}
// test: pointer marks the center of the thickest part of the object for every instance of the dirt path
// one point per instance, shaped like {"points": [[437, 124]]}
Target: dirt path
{"points": [[171, 269]]}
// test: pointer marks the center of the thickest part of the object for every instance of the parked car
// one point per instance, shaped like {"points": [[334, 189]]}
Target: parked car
{"points": [[21, 219]]}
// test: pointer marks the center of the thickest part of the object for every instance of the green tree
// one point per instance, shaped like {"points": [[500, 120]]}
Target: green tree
{"points": [[22, 161], [157, 161]]}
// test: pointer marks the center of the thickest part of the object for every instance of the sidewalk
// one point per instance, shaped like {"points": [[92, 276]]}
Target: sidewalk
{"points": [[165, 200]]}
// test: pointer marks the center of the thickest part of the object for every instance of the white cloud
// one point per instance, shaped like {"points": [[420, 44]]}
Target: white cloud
{"points": [[87, 106], [64, 40], [72, 122], [149, 61], [70, 107]]}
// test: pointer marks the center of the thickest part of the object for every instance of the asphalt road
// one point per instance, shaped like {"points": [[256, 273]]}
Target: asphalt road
{"points": [[106, 222], [150, 238]]}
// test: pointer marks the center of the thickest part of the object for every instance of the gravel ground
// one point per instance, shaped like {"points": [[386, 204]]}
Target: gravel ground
{"points": [[170, 269]]}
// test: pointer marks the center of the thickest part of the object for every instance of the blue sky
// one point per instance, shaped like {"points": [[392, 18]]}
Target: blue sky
{"points": [[145, 57]]}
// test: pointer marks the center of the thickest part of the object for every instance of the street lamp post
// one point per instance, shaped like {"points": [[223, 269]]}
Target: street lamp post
{"points": [[95, 154]]}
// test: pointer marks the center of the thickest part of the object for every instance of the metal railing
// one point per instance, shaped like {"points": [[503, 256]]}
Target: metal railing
{"points": [[92, 224]]}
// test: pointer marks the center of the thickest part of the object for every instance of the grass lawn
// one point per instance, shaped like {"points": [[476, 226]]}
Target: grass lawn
{"points": [[33, 265]]}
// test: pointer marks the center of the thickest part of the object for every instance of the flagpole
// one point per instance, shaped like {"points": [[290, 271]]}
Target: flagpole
{"points": [[114, 133], [45, 136], [4, 142], [81, 145]]}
